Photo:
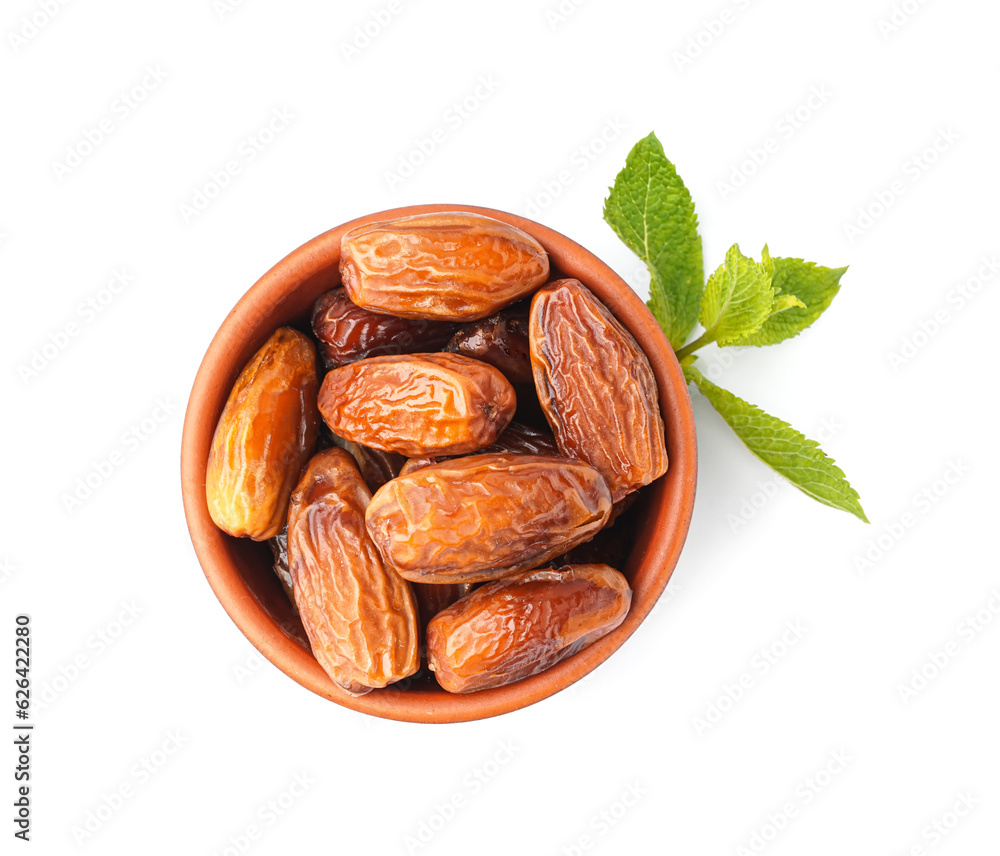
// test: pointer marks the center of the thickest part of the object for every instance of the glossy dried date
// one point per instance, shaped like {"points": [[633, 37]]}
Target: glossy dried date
{"points": [[360, 616], [279, 551], [454, 265], [500, 340], [421, 404], [486, 516], [266, 433], [596, 387], [515, 627], [526, 440], [347, 332]]}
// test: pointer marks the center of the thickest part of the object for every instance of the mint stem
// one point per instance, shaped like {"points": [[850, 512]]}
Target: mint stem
{"points": [[704, 339]]}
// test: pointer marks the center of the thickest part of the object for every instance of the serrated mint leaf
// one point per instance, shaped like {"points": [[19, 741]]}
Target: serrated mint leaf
{"points": [[813, 285], [737, 299], [651, 210], [784, 302], [781, 447]]}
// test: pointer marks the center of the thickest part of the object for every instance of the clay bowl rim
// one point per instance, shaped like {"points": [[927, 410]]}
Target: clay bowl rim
{"points": [[314, 266]]}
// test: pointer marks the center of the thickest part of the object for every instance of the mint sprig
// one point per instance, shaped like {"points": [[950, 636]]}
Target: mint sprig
{"points": [[745, 302], [812, 286], [651, 210], [781, 447]]}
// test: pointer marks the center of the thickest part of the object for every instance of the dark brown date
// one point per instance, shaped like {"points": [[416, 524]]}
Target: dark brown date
{"points": [[377, 467], [431, 599], [279, 550], [348, 333], [500, 340]]}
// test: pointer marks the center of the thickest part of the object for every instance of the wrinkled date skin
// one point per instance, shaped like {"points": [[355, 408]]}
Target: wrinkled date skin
{"points": [[348, 333], [517, 438], [519, 626], [418, 405], [265, 435], [596, 387], [500, 340], [360, 616], [453, 266], [483, 517]]}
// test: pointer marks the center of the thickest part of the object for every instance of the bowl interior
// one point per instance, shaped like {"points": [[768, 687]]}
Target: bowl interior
{"points": [[240, 571]]}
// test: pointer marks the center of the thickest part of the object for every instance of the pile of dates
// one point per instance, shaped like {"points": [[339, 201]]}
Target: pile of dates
{"points": [[402, 500]]}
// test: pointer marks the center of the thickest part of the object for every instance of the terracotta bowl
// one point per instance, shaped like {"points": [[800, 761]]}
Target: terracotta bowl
{"points": [[239, 570]]}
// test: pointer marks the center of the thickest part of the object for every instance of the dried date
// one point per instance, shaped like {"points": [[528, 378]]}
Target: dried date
{"points": [[420, 404], [483, 517], [347, 332], [266, 432], [596, 387], [360, 616], [518, 626], [279, 550], [455, 266], [377, 467], [500, 340]]}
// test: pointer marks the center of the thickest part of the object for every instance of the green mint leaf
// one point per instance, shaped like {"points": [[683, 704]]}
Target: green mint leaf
{"points": [[650, 209], [737, 299], [782, 448], [813, 285], [784, 302]]}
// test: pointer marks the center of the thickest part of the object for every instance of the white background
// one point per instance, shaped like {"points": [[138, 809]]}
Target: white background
{"points": [[916, 433]]}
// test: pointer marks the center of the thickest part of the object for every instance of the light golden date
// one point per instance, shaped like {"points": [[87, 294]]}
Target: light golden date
{"points": [[454, 266], [596, 387], [512, 628], [265, 434], [486, 516], [420, 404], [360, 616]]}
